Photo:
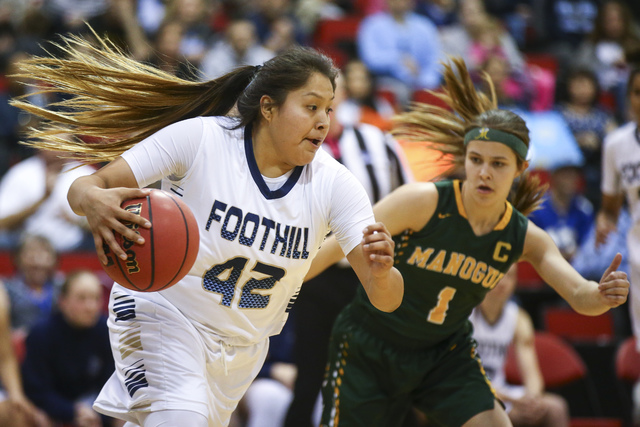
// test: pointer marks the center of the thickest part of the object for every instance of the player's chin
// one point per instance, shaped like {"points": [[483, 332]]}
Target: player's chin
{"points": [[306, 158]]}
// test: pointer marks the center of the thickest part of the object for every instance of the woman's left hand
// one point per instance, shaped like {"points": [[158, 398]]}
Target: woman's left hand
{"points": [[614, 285], [378, 247]]}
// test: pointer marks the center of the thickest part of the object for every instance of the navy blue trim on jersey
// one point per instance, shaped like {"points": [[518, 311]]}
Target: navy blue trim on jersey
{"points": [[257, 176]]}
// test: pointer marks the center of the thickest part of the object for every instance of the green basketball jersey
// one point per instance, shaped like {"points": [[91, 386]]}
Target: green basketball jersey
{"points": [[447, 271]]}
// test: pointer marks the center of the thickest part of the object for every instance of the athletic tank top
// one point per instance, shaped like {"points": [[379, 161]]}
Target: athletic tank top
{"points": [[447, 271], [494, 341]]}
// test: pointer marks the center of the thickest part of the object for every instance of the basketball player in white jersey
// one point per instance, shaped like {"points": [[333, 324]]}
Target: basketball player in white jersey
{"points": [[620, 178], [497, 323], [264, 196]]}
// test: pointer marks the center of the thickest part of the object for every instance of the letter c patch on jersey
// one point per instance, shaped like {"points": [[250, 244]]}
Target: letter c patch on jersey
{"points": [[501, 250]]}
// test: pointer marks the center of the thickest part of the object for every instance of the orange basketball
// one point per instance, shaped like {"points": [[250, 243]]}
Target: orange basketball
{"points": [[169, 250]]}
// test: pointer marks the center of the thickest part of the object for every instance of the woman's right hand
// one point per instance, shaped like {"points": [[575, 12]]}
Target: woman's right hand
{"points": [[105, 216]]}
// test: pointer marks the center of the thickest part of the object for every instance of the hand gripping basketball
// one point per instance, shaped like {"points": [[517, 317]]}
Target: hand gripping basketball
{"points": [[170, 247]]}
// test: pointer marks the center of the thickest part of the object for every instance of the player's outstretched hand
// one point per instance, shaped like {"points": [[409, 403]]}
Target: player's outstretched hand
{"points": [[378, 248], [102, 208], [614, 285]]}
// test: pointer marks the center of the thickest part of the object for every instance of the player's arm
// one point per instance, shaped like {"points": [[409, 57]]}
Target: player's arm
{"points": [[524, 346], [607, 218], [410, 206], [372, 261], [585, 296], [98, 197]]}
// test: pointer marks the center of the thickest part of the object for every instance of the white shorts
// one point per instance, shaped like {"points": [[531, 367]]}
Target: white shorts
{"points": [[514, 392], [164, 363]]}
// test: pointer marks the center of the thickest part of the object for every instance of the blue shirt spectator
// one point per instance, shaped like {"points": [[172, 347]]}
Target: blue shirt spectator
{"points": [[68, 355], [402, 45], [591, 261], [33, 288], [566, 215]]}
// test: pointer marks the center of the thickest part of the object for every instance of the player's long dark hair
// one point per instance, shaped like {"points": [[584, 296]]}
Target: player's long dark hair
{"points": [[443, 129], [119, 101]]}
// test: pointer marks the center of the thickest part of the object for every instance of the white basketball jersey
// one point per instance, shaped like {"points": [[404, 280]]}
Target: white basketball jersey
{"points": [[256, 245], [494, 340], [621, 173]]}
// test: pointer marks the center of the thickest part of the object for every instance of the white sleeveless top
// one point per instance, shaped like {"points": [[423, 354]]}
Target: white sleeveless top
{"points": [[621, 175], [494, 340]]}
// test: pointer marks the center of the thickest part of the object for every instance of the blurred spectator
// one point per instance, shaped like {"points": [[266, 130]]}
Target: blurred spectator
{"points": [[377, 162], [440, 12], [135, 36], [14, 121], [13, 10], [68, 357], [148, 13], [459, 39], [589, 124], [510, 91], [605, 51], [362, 103], [591, 260], [34, 286], [34, 27], [33, 199], [309, 12], [565, 214], [486, 51], [71, 15], [276, 27], [167, 55], [239, 47], [516, 16], [193, 16], [498, 322], [282, 35], [568, 23], [15, 409], [402, 49]]}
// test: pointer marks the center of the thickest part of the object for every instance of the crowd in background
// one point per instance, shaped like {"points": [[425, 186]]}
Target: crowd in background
{"points": [[562, 64]]}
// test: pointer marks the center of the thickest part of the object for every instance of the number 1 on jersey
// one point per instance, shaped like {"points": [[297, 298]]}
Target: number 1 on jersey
{"points": [[439, 312]]}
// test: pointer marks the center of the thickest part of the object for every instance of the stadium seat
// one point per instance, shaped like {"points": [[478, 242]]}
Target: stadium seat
{"points": [[628, 361], [627, 366], [564, 372], [575, 327], [337, 37], [543, 60], [528, 277], [559, 362]]}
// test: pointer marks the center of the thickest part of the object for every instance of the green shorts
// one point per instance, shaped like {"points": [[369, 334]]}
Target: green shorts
{"points": [[372, 383]]}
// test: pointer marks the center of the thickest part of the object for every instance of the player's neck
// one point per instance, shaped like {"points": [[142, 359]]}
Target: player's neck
{"points": [[266, 156], [482, 217]]}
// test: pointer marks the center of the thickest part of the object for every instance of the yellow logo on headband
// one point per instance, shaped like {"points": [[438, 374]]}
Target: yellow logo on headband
{"points": [[483, 134]]}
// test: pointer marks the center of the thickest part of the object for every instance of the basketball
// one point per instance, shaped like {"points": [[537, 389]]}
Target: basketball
{"points": [[170, 245]]}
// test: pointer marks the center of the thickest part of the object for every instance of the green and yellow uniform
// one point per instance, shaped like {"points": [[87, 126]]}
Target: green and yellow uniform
{"points": [[422, 354]]}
